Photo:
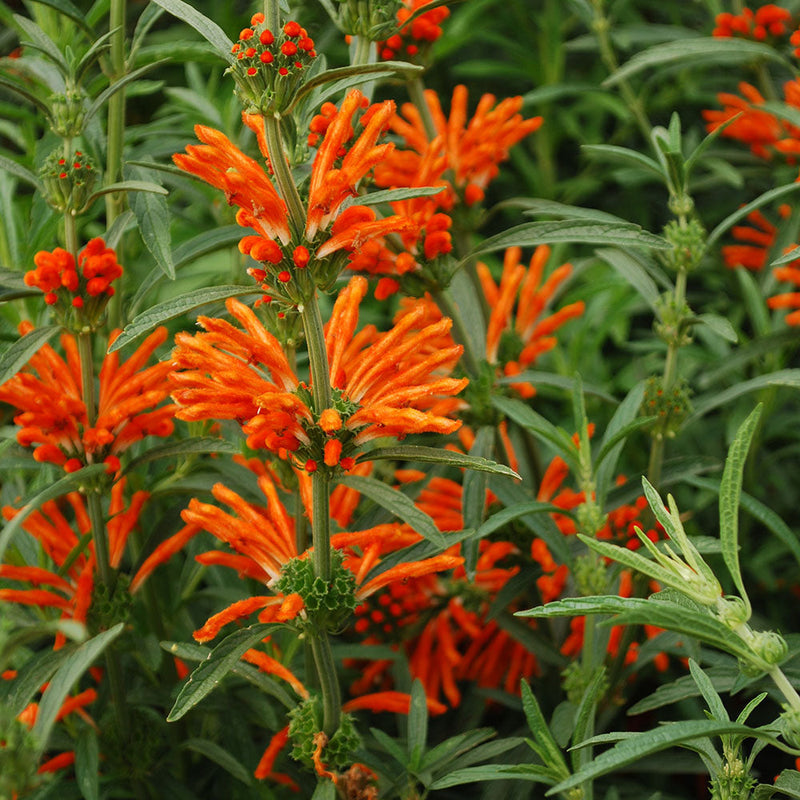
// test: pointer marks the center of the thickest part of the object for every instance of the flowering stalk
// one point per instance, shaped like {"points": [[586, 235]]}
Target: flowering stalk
{"points": [[115, 131]]}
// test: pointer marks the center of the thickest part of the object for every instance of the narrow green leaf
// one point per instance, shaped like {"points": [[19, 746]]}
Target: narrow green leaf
{"points": [[42, 42], [763, 513], [705, 50], [74, 665], [32, 676], [68, 9], [207, 28], [118, 229], [792, 255], [624, 155], [87, 763], [398, 504], [445, 752], [730, 492], [644, 744], [684, 687], [526, 417], [606, 466], [18, 171], [540, 378], [709, 693], [634, 610], [551, 752], [741, 213], [745, 713], [395, 195], [721, 326], [153, 216], [219, 662], [103, 97], [150, 319], [61, 487], [573, 231], [500, 519], [325, 790], [708, 402], [33, 99], [494, 772], [193, 446], [788, 783], [753, 297], [621, 435], [473, 497], [633, 272], [487, 750], [417, 725], [219, 755], [585, 718], [15, 357], [129, 186], [344, 77], [436, 455], [536, 206]]}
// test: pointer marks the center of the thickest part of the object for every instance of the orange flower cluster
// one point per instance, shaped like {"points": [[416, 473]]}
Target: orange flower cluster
{"points": [[60, 530], [384, 384], [422, 32], [58, 276], [334, 179], [759, 129], [49, 394], [292, 50], [462, 158], [768, 21], [516, 340]]}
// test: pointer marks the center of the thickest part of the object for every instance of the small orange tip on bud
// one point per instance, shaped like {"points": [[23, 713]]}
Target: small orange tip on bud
{"points": [[245, 34], [292, 29], [301, 256], [333, 452], [311, 465], [266, 37], [330, 420], [112, 464], [257, 19], [72, 465], [284, 276], [77, 302]]}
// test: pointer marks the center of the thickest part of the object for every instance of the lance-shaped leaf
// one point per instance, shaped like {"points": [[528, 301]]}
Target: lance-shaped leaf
{"points": [[585, 231], [437, 455], [730, 492], [708, 402], [217, 665], [702, 50], [207, 28], [23, 349], [195, 446], [399, 505], [129, 186], [76, 663], [18, 171], [473, 498], [639, 745], [149, 320], [633, 272]]}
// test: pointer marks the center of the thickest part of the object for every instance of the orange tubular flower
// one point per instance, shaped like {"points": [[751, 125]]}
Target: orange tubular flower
{"points": [[53, 413], [473, 148], [69, 589], [769, 20], [263, 539], [760, 129], [245, 183], [524, 336], [791, 273], [380, 385]]}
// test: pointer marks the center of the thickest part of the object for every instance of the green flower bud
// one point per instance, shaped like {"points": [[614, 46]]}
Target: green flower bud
{"points": [[770, 646], [732, 611], [68, 182], [67, 111], [305, 723]]}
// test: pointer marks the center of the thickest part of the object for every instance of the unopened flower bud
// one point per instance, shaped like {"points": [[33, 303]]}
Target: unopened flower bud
{"points": [[68, 181]]}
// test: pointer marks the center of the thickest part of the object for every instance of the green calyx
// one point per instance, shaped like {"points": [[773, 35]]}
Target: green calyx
{"points": [[305, 724], [328, 603]]}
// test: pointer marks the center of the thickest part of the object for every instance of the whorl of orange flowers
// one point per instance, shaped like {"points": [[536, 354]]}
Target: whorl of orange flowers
{"points": [[474, 147], [49, 394], [769, 20], [335, 174], [759, 129], [381, 385]]}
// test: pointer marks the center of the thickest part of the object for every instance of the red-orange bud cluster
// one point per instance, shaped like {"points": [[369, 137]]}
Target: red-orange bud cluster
{"points": [[769, 20], [424, 30]]}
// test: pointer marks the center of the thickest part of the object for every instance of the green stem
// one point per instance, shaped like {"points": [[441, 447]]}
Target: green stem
{"points": [[116, 134], [416, 91], [601, 26], [329, 685], [272, 15], [321, 525], [317, 355], [668, 379], [283, 174], [70, 235], [788, 691]]}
